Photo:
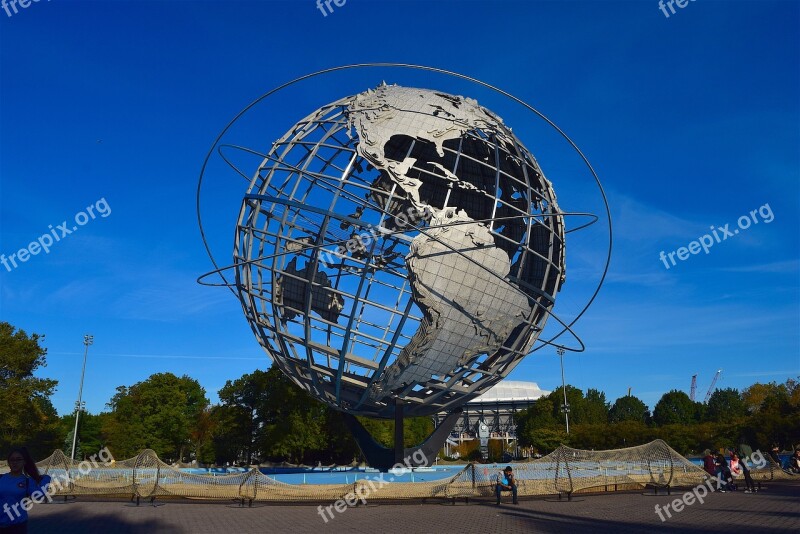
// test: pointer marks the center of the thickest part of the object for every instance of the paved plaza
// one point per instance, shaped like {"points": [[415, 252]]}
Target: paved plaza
{"points": [[777, 509]]}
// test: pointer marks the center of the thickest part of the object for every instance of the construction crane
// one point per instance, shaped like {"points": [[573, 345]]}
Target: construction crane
{"points": [[711, 387], [694, 387]]}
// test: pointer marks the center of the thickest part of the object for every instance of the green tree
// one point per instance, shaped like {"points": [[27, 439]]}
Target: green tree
{"points": [[67, 448], [545, 440], [415, 430], [675, 407], [725, 406], [90, 434], [539, 415], [293, 421], [628, 408], [264, 415], [775, 416], [28, 416], [793, 391], [591, 436], [538, 427], [593, 409], [232, 437], [576, 405], [681, 437], [764, 397], [202, 436], [159, 413], [630, 433], [341, 448], [246, 402]]}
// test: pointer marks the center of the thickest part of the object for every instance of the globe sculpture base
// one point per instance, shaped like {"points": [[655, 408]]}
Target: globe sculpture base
{"points": [[384, 458]]}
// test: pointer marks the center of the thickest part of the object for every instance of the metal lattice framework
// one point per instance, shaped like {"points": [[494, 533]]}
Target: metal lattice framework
{"points": [[374, 264]]}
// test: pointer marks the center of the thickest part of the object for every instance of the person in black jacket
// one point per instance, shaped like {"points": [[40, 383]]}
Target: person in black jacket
{"points": [[774, 456], [725, 478], [794, 461], [748, 480]]}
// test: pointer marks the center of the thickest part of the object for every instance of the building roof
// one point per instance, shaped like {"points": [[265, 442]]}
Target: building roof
{"points": [[511, 390]]}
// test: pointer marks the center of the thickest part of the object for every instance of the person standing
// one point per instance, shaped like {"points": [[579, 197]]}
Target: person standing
{"points": [[21, 482], [748, 480]]}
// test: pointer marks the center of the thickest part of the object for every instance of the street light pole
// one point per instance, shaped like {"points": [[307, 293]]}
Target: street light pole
{"points": [[87, 340], [565, 408]]}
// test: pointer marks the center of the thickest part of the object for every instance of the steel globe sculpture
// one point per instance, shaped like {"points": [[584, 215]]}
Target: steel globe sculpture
{"points": [[398, 244], [397, 253]]}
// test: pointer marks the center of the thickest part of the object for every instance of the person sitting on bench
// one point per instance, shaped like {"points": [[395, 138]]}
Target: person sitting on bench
{"points": [[506, 482]]}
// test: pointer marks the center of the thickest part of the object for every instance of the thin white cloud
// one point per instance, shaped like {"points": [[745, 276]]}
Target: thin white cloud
{"points": [[169, 301], [636, 221], [160, 356], [788, 266], [794, 372]]}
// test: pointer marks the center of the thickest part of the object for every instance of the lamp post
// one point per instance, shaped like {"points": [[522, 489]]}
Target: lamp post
{"points": [[565, 407], [87, 340]]}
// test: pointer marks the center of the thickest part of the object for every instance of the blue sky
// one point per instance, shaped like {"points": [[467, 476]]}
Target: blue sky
{"points": [[690, 120]]}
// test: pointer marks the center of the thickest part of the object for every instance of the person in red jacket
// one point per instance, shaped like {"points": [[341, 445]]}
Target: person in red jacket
{"points": [[709, 463]]}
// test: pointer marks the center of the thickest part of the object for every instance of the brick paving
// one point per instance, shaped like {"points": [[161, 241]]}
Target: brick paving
{"points": [[776, 509]]}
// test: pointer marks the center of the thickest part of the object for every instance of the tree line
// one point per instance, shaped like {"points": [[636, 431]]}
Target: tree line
{"points": [[263, 416], [760, 416]]}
